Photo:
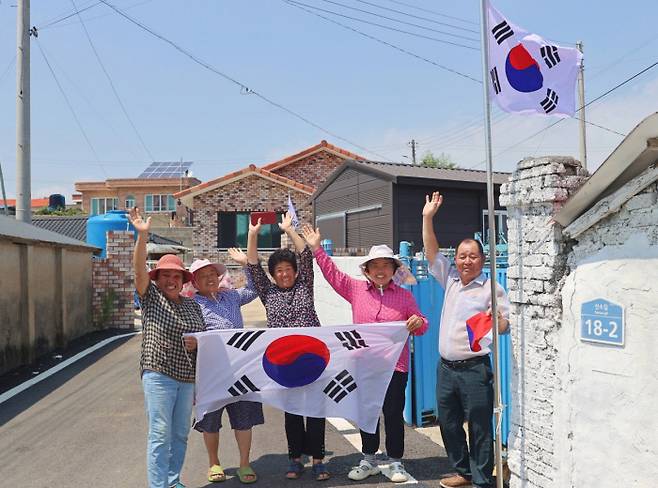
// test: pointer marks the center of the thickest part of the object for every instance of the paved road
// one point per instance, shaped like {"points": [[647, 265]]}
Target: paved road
{"points": [[85, 427]]}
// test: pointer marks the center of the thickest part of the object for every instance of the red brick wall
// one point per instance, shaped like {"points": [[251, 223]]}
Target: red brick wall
{"points": [[252, 193], [114, 273], [312, 170]]}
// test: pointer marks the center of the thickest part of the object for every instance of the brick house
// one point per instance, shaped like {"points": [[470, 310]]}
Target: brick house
{"points": [[222, 206], [154, 196]]}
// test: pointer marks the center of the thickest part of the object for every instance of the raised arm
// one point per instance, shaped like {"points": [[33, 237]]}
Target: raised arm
{"points": [[429, 237], [287, 227], [248, 292], [139, 254], [252, 242]]}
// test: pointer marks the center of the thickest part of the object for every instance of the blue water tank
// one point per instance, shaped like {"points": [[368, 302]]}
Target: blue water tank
{"points": [[99, 225], [56, 202], [328, 246]]}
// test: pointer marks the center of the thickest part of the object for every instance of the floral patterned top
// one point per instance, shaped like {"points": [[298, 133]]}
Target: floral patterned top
{"points": [[291, 307]]}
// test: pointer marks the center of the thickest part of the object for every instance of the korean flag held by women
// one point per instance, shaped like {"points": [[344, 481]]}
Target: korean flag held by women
{"points": [[338, 371], [528, 74]]}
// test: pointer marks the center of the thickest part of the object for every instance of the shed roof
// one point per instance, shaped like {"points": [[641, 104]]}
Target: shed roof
{"points": [[15, 229]]}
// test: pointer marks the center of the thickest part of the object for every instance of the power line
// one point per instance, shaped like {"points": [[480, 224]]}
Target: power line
{"points": [[6, 70], [67, 16], [402, 31], [418, 17], [114, 90], [243, 88], [386, 43], [433, 12], [66, 99], [407, 23], [57, 20]]}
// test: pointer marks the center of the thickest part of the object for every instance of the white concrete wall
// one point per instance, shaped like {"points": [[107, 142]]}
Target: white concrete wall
{"points": [[332, 309]]}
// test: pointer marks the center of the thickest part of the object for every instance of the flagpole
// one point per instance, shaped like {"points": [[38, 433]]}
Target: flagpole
{"points": [[581, 109], [498, 406]]}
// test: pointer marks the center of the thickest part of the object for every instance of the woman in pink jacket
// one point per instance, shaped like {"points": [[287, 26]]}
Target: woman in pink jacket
{"points": [[377, 299]]}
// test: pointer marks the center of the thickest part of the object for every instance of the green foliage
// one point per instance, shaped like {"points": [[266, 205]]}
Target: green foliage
{"points": [[66, 211], [108, 302], [443, 160]]}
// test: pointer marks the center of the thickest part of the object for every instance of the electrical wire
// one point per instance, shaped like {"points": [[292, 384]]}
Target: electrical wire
{"points": [[433, 12], [6, 70], [386, 43], [66, 99], [114, 90], [402, 31], [404, 22], [244, 88]]}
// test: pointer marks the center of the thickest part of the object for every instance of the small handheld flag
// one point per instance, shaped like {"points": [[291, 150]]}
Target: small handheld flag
{"points": [[293, 213], [479, 331], [528, 74]]}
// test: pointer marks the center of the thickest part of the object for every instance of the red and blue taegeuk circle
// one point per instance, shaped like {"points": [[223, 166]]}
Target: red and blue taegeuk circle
{"points": [[295, 360], [523, 72]]}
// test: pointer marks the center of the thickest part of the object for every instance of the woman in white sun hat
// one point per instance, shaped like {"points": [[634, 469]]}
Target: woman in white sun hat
{"points": [[221, 310], [377, 299]]}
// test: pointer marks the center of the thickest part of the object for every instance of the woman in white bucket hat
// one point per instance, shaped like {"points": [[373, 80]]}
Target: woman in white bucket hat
{"points": [[377, 299]]}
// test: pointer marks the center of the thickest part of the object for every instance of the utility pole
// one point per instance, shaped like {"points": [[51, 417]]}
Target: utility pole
{"points": [[581, 102], [413, 144], [23, 158]]}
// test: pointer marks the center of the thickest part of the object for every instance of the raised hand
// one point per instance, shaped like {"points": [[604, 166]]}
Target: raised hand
{"points": [[238, 256], [254, 229], [138, 222], [286, 224], [311, 236], [432, 205]]}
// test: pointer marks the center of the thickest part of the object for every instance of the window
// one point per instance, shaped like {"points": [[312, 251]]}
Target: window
{"points": [[159, 203], [100, 206], [130, 202], [233, 227]]}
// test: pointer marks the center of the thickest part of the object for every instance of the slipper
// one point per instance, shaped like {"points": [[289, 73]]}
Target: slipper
{"points": [[216, 474], [244, 473], [320, 471], [295, 470]]}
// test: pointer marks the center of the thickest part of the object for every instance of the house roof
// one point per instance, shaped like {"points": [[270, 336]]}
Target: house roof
{"points": [[637, 152], [75, 227], [35, 203], [322, 146], [395, 171], [115, 183], [20, 231], [188, 195]]}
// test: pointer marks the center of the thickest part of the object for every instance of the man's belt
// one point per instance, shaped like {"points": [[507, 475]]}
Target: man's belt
{"points": [[465, 363]]}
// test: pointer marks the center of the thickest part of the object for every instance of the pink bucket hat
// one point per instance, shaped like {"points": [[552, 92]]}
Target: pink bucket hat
{"points": [[170, 261], [202, 263]]}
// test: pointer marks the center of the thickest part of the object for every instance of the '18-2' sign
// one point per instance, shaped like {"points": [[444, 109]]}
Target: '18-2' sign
{"points": [[602, 321]]}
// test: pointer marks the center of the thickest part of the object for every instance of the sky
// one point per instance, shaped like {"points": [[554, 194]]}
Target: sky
{"points": [[369, 97]]}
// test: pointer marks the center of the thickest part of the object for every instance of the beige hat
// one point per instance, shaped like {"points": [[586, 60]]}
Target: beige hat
{"points": [[202, 263], [380, 251]]}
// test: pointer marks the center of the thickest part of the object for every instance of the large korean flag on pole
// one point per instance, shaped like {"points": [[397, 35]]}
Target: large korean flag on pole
{"points": [[340, 371], [528, 74]]}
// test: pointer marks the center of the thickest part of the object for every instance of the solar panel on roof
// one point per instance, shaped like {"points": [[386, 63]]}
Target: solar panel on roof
{"points": [[166, 169]]}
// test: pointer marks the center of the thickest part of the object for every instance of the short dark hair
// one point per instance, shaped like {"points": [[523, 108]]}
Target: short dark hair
{"points": [[281, 256], [468, 240]]}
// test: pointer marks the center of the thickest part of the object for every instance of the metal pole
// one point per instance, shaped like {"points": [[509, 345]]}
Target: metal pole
{"points": [[413, 151], [4, 194], [498, 406], [23, 159], [581, 109]]}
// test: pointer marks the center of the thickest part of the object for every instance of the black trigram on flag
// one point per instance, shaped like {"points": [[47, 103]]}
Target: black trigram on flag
{"points": [[340, 386], [495, 81], [550, 55], [550, 102], [242, 387], [244, 340], [351, 339], [502, 31]]}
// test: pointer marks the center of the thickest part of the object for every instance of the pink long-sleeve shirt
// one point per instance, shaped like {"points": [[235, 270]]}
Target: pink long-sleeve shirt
{"points": [[369, 305]]}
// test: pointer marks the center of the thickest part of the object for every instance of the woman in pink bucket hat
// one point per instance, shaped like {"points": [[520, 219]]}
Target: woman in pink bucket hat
{"points": [[167, 369]]}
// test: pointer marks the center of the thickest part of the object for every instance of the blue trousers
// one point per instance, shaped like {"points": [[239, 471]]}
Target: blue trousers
{"points": [[168, 405], [464, 392]]}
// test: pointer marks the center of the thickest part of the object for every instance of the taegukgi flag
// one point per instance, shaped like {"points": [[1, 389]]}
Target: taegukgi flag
{"points": [[528, 74], [338, 371]]}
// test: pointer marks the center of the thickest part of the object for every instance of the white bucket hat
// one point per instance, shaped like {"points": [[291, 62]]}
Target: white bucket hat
{"points": [[380, 251], [202, 263]]}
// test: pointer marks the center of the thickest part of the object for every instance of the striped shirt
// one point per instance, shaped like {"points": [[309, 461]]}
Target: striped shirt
{"points": [[223, 310]]}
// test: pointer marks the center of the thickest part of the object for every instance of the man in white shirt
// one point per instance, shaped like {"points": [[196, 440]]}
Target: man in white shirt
{"points": [[464, 374]]}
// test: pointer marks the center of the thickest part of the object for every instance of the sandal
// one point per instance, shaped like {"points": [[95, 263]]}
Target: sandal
{"points": [[216, 474], [247, 475], [295, 470], [320, 471]]}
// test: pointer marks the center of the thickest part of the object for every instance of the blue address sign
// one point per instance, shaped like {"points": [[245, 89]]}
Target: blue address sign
{"points": [[602, 321]]}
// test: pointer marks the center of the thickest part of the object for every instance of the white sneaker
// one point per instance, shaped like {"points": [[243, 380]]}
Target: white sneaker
{"points": [[363, 470], [397, 472]]}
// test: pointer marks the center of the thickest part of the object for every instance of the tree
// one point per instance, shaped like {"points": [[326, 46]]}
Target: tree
{"points": [[67, 211], [443, 160]]}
